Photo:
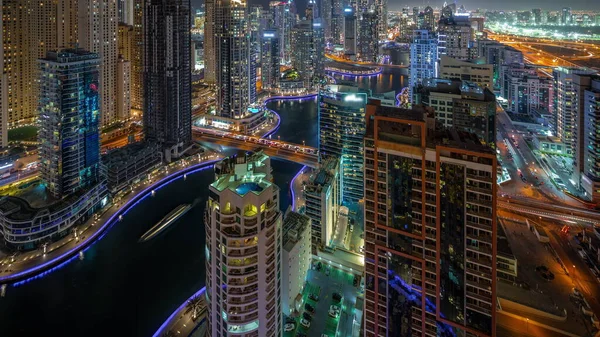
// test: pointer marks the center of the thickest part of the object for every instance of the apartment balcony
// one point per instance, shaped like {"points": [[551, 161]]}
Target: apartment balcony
{"points": [[487, 227], [480, 284]]}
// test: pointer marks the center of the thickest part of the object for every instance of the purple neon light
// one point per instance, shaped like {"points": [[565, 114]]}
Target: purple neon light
{"points": [[292, 187], [166, 323], [107, 224], [273, 130], [354, 75]]}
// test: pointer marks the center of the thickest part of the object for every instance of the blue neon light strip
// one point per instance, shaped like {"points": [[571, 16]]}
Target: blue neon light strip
{"points": [[166, 323], [352, 74], [107, 224]]}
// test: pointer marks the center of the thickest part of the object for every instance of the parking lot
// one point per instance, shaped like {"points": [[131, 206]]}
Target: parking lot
{"points": [[324, 283]]}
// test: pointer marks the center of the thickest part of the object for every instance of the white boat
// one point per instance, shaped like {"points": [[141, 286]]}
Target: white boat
{"points": [[166, 222]]}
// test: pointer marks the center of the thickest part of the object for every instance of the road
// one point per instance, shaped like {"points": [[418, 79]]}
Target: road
{"points": [[367, 64], [514, 325], [303, 158], [182, 321], [537, 184]]}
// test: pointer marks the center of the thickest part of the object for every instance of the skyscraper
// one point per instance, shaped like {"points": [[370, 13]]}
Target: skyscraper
{"points": [[304, 50], [382, 22], [341, 128], [566, 107], [368, 36], [209, 43], [97, 28], [125, 11], [137, 61], [350, 32], [590, 177], [428, 19], [337, 22], [243, 245], [167, 75], [423, 58], [430, 228], [565, 17], [69, 114], [283, 20], [456, 38], [29, 30], [3, 97], [233, 58], [270, 59]]}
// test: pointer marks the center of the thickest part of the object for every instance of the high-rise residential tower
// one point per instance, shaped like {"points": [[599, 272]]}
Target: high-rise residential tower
{"points": [[270, 59], [341, 128], [350, 32], [167, 75], [590, 177], [29, 30], [456, 38], [367, 40], [97, 30], [69, 114], [430, 228], [423, 58], [3, 97], [137, 61], [125, 11], [209, 42], [243, 245], [382, 23]]}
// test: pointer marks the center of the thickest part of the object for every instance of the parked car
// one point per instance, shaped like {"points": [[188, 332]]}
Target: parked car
{"points": [[336, 297], [305, 323], [289, 327], [313, 297], [309, 308], [307, 316]]}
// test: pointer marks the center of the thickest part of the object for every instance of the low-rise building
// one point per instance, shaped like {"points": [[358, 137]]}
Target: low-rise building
{"points": [[550, 145], [295, 256], [322, 195], [475, 71], [461, 104], [130, 162]]}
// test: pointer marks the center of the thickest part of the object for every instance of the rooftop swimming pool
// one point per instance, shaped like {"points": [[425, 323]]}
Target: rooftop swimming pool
{"points": [[248, 187]]}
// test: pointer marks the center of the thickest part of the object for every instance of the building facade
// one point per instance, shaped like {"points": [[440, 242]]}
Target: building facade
{"points": [[590, 178], [350, 33], [69, 114], [243, 244], [423, 59], [296, 255], [474, 71], [456, 38], [167, 76], [368, 36], [526, 90], [463, 105], [341, 128], [97, 30], [270, 59], [430, 228], [322, 197]]}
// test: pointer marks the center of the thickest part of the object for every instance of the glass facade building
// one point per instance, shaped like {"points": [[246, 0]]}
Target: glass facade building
{"points": [[341, 129], [430, 228], [69, 114], [167, 75]]}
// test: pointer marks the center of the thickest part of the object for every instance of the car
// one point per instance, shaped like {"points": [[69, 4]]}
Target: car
{"points": [[290, 320], [327, 272], [351, 228], [305, 323], [334, 307], [336, 297], [362, 249], [289, 327], [313, 297], [306, 316], [333, 313], [309, 308]]}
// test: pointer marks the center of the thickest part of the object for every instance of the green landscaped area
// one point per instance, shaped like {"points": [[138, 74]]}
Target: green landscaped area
{"points": [[24, 133]]}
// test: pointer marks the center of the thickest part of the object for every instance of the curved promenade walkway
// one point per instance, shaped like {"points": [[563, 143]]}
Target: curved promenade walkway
{"points": [[34, 264]]}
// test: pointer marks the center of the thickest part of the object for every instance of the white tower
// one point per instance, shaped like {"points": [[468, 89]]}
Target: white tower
{"points": [[243, 241]]}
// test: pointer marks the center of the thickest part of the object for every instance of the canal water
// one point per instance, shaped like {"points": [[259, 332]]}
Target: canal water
{"points": [[126, 288]]}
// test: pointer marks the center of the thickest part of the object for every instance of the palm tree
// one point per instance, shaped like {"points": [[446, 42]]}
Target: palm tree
{"points": [[194, 304]]}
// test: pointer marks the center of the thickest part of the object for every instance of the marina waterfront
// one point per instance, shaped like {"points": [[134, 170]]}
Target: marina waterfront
{"points": [[129, 288]]}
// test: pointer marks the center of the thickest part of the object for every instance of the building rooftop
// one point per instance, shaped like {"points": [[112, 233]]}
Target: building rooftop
{"points": [[295, 226], [408, 134], [465, 89], [327, 171], [123, 154], [243, 173]]}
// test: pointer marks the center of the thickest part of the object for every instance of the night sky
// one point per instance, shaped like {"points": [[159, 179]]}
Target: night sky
{"points": [[470, 4]]}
